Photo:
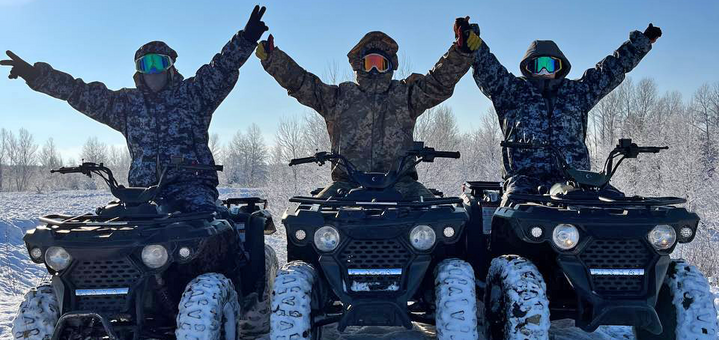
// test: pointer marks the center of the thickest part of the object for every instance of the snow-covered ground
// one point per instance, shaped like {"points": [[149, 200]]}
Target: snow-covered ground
{"points": [[19, 212]]}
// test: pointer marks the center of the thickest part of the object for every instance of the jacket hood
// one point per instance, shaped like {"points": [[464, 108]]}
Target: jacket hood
{"points": [[375, 40], [539, 48], [158, 47]]}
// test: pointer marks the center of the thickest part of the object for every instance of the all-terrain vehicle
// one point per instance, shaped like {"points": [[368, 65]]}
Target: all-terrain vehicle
{"points": [[369, 257], [136, 270], [582, 250]]}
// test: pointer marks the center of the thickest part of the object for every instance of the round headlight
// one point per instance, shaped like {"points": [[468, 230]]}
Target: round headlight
{"points": [[565, 236], [422, 237], [327, 238], [300, 234], [536, 232], [686, 232], [36, 253], [448, 232], [185, 252], [57, 258], [154, 256], [662, 237]]}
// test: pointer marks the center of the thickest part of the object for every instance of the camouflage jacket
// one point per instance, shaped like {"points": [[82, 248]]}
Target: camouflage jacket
{"points": [[550, 111], [371, 122], [157, 126]]}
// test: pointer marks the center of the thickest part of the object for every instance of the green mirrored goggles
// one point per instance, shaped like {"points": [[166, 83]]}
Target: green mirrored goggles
{"points": [[153, 63], [551, 64]]}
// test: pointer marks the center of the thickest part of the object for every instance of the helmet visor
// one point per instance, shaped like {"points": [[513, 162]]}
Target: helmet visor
{"points": [[153, 63], [376, 61], [551, 64]]}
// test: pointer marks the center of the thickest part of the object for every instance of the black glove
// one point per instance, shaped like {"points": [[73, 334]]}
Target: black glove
{"points": [[653, 33], [255, 26], [20, 68]]}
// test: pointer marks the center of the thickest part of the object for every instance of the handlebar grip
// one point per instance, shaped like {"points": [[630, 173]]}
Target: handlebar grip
{"points": [[652, 149], [446, 154], [303, 160]]}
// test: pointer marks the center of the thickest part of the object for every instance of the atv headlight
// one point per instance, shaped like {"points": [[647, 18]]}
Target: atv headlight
{"points": [[57, 258], [565, 236], [422, 237], [327, 238], [154, 256], [662, 237]]}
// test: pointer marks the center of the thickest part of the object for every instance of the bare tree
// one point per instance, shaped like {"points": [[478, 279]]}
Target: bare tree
{"points": [[23, 152], [215, 146], [118, 160], [4, 150], [48, 158], [94, 151], [246, 161]]}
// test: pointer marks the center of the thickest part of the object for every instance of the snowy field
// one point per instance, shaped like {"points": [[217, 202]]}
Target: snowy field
{"points": [[19, 212]]}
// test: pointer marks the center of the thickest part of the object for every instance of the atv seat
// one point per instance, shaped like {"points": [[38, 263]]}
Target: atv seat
{"points": [[135, 195]]}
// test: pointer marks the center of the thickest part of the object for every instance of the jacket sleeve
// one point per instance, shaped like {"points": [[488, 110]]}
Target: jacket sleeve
{"points": [[94, 100], [215, 80], [611, 71], [304, 86], [427, 91], [491, 77]]}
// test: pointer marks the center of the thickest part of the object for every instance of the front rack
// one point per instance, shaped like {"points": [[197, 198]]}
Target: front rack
{"points": [[605, 202], [353, 203]]}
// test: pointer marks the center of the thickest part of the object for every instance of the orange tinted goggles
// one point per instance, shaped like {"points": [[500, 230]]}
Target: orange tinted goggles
{"points": [[376, 61]]}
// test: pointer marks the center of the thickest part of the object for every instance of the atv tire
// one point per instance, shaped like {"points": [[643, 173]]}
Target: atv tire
{"points": [[38, 314], [515, 301], [255, 320], [456, 301], [208, 310], [685, 306], [291, 317]]}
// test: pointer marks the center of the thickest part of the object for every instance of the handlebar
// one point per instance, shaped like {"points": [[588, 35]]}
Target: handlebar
{"points": [[447, 154], [304, 160]]}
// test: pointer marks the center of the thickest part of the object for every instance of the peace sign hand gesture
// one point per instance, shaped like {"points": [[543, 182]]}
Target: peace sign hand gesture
{"points": [[255, 26], [20, 68]]}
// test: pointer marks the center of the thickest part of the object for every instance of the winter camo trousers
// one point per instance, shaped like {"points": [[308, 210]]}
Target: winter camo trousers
{"points": [[408, 187], [191, 198]]}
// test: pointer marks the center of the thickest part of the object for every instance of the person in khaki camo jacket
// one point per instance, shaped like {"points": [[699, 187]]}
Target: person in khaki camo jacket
{"points": [[371, 121]]}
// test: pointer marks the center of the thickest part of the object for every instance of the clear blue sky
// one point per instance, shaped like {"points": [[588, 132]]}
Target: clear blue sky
{"points": [[96, 40]]}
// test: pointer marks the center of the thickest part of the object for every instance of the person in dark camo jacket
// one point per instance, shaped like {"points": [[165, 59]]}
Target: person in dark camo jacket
{"points": [[544, 107], [165, 118], [371, 121]]}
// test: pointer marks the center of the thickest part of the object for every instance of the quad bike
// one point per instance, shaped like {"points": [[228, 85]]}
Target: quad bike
{"points": [[369, 257], [136, 270], [584, 251]]}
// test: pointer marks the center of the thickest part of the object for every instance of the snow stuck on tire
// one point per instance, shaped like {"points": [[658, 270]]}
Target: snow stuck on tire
{"points": [[516, 304], [456, 315], [255, 320], [38, 314], [208, 308], [685, 306], [291, 302]]}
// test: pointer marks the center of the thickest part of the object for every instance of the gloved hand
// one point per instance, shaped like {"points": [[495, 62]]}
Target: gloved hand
{"points": [[264, 48], [20, 68], [653, 33], [466, 35], [255, 26]]}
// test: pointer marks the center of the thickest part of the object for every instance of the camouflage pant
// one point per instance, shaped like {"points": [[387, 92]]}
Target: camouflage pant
{"points": [[408, 187], [191, 197]]}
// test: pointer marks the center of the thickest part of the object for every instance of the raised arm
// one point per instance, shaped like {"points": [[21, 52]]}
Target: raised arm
{"points": [[611, 71], [491, 77], [304, 86], [214, 81], [427, 91], [94, 100]]}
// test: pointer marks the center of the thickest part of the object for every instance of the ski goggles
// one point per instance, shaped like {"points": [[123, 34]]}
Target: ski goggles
{"points": [[376, 61], [153, 63], [551, 64]]}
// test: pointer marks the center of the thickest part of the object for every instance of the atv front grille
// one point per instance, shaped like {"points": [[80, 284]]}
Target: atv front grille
{"points": [[119, 273], [374, 265], [374, 254], [103, 276], [617, 254]]}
